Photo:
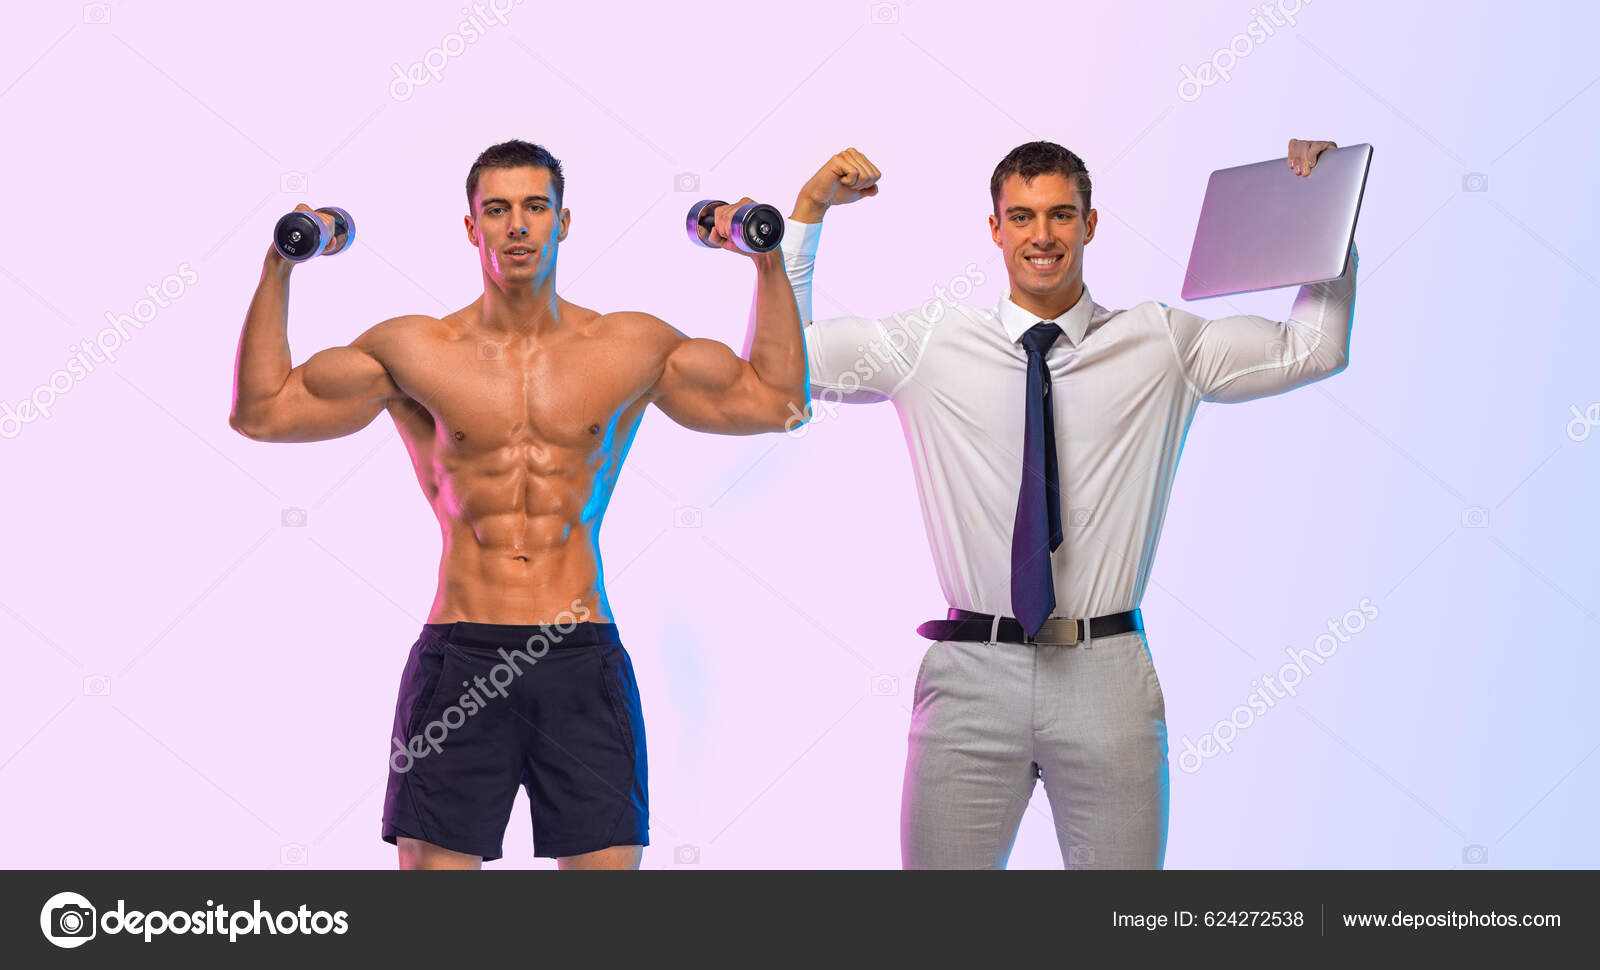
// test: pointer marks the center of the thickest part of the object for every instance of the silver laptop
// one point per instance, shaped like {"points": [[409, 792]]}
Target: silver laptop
{"points": [[1262, 226]]}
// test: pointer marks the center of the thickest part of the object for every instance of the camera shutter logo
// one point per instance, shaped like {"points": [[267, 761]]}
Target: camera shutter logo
{"points": [[67, 920]]}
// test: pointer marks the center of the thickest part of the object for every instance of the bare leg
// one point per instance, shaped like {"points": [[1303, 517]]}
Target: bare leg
{"points": [[417, 854], [616, 857]]}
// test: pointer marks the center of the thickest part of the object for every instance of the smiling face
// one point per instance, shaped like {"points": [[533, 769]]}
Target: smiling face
{"points": [[515, 225], [1041, 226]]}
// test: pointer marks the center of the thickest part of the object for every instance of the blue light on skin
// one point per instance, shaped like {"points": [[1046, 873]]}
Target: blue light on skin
{"points": [[595, 508]]}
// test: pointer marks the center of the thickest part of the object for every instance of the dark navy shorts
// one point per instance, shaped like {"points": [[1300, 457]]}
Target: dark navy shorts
{"points": [[486, 707]]}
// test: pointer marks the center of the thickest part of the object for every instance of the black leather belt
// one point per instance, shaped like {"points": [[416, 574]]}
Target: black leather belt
{"points": [[966, 625]]}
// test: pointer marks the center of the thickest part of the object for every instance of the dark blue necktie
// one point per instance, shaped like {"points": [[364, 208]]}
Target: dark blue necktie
{"points": [[1038, 527]]}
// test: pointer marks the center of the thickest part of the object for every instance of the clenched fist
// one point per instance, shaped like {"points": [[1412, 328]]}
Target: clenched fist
{"points": [[843, 179]]}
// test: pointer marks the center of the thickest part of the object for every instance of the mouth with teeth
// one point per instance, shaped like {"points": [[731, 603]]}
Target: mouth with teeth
{"points": [[1044, 262], [519, 254]]}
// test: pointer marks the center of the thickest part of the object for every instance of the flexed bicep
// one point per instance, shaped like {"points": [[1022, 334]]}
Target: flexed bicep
{"points": [[335, 392], [705, 386]]}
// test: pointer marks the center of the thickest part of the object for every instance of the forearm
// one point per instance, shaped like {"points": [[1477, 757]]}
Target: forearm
{"points": [[263, 362], [774, 345], [1320, 323]]}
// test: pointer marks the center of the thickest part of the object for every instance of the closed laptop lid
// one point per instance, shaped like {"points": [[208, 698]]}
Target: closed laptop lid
{"points": [[1262, 226]]}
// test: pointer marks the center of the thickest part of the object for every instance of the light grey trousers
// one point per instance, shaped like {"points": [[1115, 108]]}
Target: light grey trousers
{"points": [[989, 719]]}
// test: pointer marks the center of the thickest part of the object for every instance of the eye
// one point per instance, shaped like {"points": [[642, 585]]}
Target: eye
{"points": [[1019, 219], [536, 207], [494, 210]]}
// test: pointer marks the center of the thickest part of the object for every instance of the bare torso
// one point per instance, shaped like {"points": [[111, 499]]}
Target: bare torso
{"points": [[517, 440]]}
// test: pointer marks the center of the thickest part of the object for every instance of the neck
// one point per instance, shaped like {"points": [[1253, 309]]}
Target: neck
{"points": [[1050, 305], [532, 307]]}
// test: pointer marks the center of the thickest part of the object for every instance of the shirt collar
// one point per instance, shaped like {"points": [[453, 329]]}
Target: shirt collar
{"points": [[1074, 323]]}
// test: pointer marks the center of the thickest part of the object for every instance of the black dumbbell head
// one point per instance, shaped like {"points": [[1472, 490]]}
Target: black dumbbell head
{"points": [[758, 227], [299, 236]]}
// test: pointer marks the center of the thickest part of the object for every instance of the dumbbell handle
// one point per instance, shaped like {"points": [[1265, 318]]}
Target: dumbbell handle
{"points": [[708, 215]]}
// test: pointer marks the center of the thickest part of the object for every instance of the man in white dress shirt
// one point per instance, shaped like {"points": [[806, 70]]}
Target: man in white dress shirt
{"points": [[1044, 435]]}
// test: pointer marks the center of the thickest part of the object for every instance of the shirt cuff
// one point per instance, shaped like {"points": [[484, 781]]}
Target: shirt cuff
{"points": [[800, 238]]}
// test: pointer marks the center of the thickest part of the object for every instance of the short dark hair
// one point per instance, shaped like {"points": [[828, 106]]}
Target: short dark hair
{"points": [[1039, 158], [515, 154]]}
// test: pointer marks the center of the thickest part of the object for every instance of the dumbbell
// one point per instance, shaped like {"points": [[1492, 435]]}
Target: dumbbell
{"points": [[757, 227], [303, 234]]}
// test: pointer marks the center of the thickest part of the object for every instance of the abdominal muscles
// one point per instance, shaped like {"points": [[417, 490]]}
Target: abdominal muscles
{"points": [[519, 526]]}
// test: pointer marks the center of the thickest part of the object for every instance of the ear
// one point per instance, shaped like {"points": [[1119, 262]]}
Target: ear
{"points": [[1089, 222], [566, 223], [994, 228], [472, 231]]}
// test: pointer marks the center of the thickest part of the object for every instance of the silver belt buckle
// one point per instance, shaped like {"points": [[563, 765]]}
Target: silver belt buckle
{"points": [[1057, 630]]}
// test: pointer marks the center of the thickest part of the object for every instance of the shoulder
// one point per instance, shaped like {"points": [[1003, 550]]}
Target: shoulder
{"points": [[395, 329], [635, 323], [639, 329], [394, 341], [1149, 311]]}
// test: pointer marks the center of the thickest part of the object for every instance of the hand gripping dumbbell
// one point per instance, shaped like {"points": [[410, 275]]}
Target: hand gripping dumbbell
{"points": [[305, 233], [757, 227]]}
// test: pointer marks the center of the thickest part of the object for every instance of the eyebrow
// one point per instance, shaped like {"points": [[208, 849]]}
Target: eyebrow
{"points": [[1017, 209], [486, 203]]}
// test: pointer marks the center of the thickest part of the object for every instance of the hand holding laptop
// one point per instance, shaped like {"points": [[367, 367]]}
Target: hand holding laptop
{"points": [[1303, 154]]}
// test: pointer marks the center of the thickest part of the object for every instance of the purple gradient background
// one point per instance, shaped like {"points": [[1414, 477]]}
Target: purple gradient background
{"points": [[252, 667]]}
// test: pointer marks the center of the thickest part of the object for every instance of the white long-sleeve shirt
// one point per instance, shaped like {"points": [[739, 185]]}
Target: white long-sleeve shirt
{"points": [[1124, 385]]}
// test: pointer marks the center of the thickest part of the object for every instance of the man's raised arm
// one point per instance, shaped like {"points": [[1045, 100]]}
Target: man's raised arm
{"points": [[852, 359], [336, 392], [1240, 358], [706, 387]]}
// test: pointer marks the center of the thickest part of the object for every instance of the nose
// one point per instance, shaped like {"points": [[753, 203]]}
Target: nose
{"points": [[1041, 234], [517, 231]]}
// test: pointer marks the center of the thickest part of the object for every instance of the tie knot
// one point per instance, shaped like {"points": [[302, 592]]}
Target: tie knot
{"points": [[1039, 337]]}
